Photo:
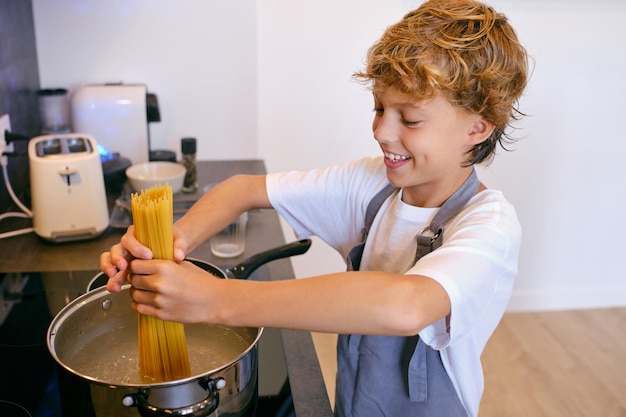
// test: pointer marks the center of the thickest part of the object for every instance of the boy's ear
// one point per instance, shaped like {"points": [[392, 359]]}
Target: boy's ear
{"points": [[481, 130]]}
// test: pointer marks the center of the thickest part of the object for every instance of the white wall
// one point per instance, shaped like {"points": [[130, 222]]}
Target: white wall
{"points": [[198, 56], [562, 176]]}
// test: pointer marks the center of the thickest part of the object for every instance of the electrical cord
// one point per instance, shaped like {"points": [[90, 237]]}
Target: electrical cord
{"points": [[27, 214]]}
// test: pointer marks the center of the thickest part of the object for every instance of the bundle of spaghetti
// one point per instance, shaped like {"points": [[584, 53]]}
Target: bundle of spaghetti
{"points": [[162, 344]]}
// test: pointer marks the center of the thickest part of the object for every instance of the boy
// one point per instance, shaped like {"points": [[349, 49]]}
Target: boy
{"points": [[423, 295]]}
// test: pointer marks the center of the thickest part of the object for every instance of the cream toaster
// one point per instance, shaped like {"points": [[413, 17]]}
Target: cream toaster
{"points": [[68, 196]]}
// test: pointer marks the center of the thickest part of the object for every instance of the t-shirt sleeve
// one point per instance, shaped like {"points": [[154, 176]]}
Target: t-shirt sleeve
{"points": [[329, 203]]}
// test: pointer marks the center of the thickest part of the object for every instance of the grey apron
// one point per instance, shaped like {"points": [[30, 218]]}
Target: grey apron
{"points": [[395, 376]]}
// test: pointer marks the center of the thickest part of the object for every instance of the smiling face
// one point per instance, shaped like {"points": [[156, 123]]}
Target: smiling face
{"points": [[465, 49], [425, 144]]}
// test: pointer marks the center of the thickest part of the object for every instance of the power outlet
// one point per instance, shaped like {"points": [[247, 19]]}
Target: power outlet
{"points": [[5, 125]]}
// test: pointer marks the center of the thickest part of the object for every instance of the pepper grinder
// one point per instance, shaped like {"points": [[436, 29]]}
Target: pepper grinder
{"points": [[188, 150]]}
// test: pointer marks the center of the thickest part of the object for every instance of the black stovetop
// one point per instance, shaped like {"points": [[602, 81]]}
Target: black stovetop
{"points": [[28, 383], [28, 371]]}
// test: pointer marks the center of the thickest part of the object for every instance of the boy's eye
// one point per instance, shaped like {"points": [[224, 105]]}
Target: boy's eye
{"points": [[379, 110], [411, 118]]}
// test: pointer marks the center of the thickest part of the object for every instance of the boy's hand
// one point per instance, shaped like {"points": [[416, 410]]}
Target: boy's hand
{"points": [[114, 263]]}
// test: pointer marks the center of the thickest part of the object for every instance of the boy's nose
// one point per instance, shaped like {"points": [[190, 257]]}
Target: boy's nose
{"points": [[383, 130]]}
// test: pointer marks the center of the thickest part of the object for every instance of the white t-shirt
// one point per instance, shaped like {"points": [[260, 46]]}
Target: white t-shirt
{"points": [[476, 264]]}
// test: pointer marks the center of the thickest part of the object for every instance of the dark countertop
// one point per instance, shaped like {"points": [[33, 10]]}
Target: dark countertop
{"points": [[28, 253], [31, 253]]}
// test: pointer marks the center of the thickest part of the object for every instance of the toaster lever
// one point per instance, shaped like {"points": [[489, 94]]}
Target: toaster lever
{"points": [[67, 173]]}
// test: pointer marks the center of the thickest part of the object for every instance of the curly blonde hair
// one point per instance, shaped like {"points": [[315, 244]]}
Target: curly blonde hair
{"points": [[462, 48]]}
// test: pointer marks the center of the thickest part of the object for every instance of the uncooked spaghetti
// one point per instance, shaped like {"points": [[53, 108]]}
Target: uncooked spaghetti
{"points": [[162, 344]]}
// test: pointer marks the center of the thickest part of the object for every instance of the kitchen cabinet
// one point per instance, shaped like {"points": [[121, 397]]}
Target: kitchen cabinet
{"points": [[29, 254]]}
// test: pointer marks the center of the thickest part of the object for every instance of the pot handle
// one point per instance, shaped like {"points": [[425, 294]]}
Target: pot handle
{"points": [[201, 409], [248, 266]]}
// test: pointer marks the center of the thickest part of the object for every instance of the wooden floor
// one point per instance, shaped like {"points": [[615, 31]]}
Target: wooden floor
{"points": [[544, 364]]}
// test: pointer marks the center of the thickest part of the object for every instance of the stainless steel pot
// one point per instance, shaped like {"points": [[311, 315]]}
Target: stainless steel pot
{"points": [[97, 333]]}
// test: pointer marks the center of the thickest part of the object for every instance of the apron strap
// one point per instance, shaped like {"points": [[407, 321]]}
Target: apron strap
{"points": [[452, 206], [356, 253]]}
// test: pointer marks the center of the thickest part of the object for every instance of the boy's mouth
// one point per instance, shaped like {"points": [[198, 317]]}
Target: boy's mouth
{"points": [[395, 158]]}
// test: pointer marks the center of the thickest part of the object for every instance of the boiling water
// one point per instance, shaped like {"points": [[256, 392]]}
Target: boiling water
{"points": [[113, 357]]}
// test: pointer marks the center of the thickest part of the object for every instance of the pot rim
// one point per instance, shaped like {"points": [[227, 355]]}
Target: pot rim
{"points": [[92, 296]]}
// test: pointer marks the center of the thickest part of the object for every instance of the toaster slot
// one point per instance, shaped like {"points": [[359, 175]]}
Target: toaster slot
{"points": [[49, 147], [76, 145], [63, 145]]}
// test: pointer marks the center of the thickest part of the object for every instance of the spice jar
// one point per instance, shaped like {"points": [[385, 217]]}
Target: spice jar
{"points": [[188, 150]]}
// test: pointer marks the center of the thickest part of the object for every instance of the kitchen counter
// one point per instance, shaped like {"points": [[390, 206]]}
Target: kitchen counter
{"points": [[28, 253]]}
